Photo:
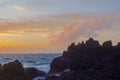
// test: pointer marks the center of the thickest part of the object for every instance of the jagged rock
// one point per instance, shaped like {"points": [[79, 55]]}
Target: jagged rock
{"points": [[58, 65], [118, 45], [91, 43], [88, 61], [107, 44], [33, 72]]}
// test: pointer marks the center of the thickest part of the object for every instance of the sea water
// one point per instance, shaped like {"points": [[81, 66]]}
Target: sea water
{"points": [[39, 61]]}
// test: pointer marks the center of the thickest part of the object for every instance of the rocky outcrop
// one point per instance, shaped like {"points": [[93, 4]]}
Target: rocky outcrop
{"points": [[58, 65], [108, 72], [15, 71], [33, 72], [88, 61]]}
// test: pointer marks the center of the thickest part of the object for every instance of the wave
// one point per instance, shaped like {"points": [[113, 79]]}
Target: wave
{"points": [[39, 61]]}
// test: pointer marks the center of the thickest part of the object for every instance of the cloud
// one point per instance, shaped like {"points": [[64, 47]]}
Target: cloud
{"points": [[86, 27], [29, 27], [61, 29], [1, 0], [16, 7]]}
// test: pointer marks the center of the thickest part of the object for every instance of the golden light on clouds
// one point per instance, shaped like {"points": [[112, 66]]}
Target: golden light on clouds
{"points": [[17, 7], [11, 43], [51, 25], [54, 33]]}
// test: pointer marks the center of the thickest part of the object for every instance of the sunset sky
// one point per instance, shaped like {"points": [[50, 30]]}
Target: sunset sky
{"points": [[49, 26]]}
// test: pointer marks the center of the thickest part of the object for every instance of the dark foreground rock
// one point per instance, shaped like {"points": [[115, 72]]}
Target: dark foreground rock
{"points": [[15, 71], [87, 61], [108, 73], [52, 78], [33, 72]]}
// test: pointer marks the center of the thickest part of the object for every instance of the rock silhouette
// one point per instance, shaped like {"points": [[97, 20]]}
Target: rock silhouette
{"points": [[88, 61], [15, 71], [33, 72]]}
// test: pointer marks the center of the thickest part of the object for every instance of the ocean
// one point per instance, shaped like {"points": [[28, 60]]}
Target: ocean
{"points": [[39, 61]]}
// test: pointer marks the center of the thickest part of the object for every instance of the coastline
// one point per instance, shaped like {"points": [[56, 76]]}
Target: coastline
{"points": [[85, 61]]}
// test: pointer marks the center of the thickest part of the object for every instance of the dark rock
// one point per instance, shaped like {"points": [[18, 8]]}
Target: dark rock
{"points": [[77, 75], [0, 66], [88, 61], [71, 47], [14, 68], [118, 45], [110, 72], [107, 44], [117, 48], [33, 72], [91, 43], [52, 78], [58, 65], [13, 71]]}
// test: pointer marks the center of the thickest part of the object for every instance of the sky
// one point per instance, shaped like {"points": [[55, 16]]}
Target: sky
{"points": [[50, 26]]}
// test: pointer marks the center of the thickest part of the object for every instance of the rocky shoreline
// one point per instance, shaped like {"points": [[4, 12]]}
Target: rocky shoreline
{"points": [[86, 61], [15, 71]]}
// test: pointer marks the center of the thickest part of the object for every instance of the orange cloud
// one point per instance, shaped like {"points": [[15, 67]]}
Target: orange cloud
{"points": [[94, 22], [26, 35], [12, 43], [85, 28], [68, 30], [42, 34]]}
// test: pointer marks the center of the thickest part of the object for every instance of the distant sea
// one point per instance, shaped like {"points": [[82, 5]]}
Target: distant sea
{"points": [[39, 61]]}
